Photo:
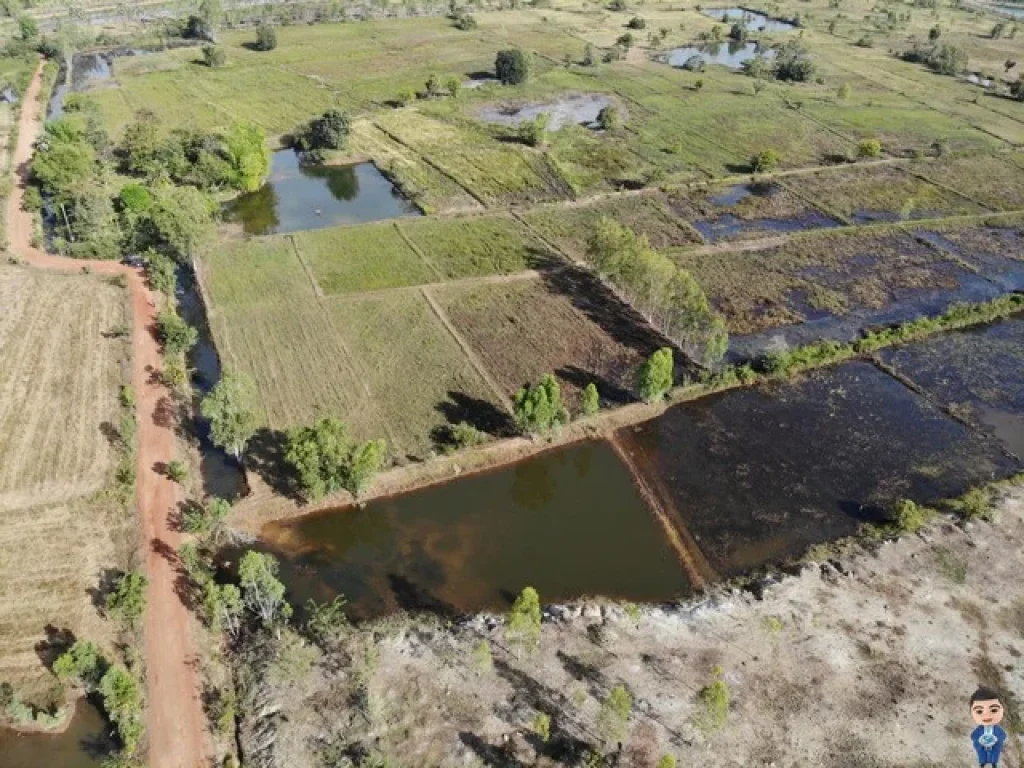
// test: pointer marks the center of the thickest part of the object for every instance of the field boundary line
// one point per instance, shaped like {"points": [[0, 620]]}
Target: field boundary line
{"points": [[415, 249], [471, 355], [317, 290], [465, 282], [948, 188]]}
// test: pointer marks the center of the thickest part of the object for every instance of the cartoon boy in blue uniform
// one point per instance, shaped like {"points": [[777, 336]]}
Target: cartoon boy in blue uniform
{"points": [[988, 737]]}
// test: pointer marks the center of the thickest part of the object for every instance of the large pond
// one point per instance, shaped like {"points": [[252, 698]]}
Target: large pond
{"points": [[750, 19], [732, 54], [83, 745], [569, 522], [298, 196]]}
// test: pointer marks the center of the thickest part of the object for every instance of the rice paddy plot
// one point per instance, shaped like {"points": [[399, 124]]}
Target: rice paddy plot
{"points": [[243, 273], [996, 250], [976, 373], [994, 180], [759, 475]]}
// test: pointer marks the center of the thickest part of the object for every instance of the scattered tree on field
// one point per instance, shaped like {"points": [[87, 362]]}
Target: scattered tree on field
{"points": [[765, 161], [214, 56], [625, 41], [590, 401], [454, 86], [127, 601], [869, 148], [844, 92], [512, 66], [262, 592], [609, 118], [228, 406], [483, 662], [934, 33], [466, 21], [522, 628], [637, 22], [539, 408], [656, 377], [245, 145], [534, 132], [433, 87], [793, 62], [266, 38], [589, 59], [329, 131]]}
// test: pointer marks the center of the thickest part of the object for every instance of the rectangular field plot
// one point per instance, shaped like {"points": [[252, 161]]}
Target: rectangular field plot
{"points": [[978, 373], [746, 211], [881, 193], [478, 246], [569, 228], [829, 285], [241, 273], [417, 375], [59, 382], [563, 323], [759, 475], [996, 251], [993, 180], [366, 258]]}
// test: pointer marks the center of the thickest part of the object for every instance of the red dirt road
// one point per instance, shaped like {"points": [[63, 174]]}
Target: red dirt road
{"points": [[176, 725]]}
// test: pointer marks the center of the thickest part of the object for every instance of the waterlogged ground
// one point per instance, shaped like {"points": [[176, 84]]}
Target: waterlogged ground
{"points": [[758, 475], [977, 373], [581, 109], [569, 522]]}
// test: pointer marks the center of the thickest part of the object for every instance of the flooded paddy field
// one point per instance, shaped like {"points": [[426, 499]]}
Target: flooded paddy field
{"points": [[297, 196], [996, 251], [569, 522], [744, 211], [759, 475], [976, 373]]}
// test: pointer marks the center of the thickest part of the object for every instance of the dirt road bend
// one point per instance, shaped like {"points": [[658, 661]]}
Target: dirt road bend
{"points": [[175, 721]]}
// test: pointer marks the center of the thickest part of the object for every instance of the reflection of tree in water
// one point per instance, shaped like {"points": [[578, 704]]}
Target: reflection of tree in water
{"points": [[342, 181], [533, 483], [256, 210]]}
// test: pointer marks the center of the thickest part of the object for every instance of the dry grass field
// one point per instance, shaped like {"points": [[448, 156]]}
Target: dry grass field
{"points": [[59, 381]]}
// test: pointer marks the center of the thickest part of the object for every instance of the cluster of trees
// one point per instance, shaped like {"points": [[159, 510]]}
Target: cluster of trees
{"points": [[792, 62], [944, 59], [328, 131], [325, 460], [539, 408], [667, 295]]}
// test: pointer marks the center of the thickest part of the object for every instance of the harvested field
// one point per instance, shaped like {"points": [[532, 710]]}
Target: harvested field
{"points": [[366, 258], [478, 246], [570, 228], [881, 193], [564, 323], [819, 275], [416, 374], [58, 385]]}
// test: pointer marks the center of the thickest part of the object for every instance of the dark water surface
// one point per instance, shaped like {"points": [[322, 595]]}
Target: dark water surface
{"points": [[732, 54], [299, 196], [569, 522], [82, 745], [760, 474]]}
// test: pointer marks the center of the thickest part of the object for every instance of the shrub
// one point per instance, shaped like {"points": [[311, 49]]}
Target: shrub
{"points": [[609, 118], [944, 59], [976, 504], [625, 41], [1017, 88], [406, 96], [793, 63], [176, 335], [656, 375], [864, 42], [81, 664], [844, 91], [868, 148], [542, 726], [738, 32], [590, 401], [714, 703], [329, 131], [512, 66], [128, 599], [266, 38], [907, 517], [454, 86], [466, 22], [637, 22], [765, 161], [214, 56], [176, 471]]}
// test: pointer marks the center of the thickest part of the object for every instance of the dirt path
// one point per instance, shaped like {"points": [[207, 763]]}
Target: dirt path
{"points": [[176, 725]]}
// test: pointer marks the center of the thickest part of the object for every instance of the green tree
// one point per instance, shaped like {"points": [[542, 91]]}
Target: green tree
{"points": [[176, 471], [63, 159], [590, 401], [82, 664], [869, 148], [406, 96], [765, 161], [454, 86], [534, 132], [637, 22], [209, 520], [222, 607], [667, 761], [134, 198], [539, 408], [625, 41], [793, 62], [266, 38], [483, 662], [248, 154], [214, 56], [326, 621], [512, 66], [28, 28], [589, 59], [176, 335], [262, 592], [433, 87], [542, 726], [325, 460], [522, 628], [613, 718], [844, 92], [229, 408], [934, 33], [714, 701], [329, 131], [161, 271], [143, 144], [609, 118], [122, 700], [364, 461], [182, 218], [127, 601], [656, 375]]}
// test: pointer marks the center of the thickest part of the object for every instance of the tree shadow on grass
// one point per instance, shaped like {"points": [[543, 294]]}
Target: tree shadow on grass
{"points": [[264, 455], [609, 391], [482, 414], [104, 586], [491, 755], [55, 642]]}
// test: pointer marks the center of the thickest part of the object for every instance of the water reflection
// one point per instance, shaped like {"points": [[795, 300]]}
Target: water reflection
{"points": [[732, 54], [750, 19]]}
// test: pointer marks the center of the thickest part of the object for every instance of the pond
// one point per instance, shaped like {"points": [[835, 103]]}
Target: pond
{"points": [[732, 54], [757, 475], [83, 745], [569, 522], [298, 196], [750, 19], [581, 109]]}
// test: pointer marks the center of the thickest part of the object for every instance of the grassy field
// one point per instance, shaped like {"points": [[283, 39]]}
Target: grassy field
{"points": [[58, 409], [562, 324], [994, 181]]}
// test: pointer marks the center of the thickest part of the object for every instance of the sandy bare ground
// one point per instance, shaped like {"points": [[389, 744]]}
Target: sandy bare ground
{"points": [[863, 662], [175, 720]]}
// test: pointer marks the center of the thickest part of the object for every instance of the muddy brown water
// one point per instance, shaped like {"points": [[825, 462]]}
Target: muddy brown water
{"points": [[758, 475], [83, 745], [569, 522]]}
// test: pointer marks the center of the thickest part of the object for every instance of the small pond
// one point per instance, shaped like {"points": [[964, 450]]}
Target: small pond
{"points": [[83, 745], [1012, 10], [757, 475], [569, 522], [750, 19], [581, 109], [731, 54], [298, 196]]}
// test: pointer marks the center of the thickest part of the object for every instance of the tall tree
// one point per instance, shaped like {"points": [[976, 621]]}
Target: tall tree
{"points": [[229, 409], [539, 408], [262, 592], [522, 627], [655, 378], [183, 218]]}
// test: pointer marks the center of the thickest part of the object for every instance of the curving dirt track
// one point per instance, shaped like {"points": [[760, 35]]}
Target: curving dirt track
{"points": [[175, 720]]}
